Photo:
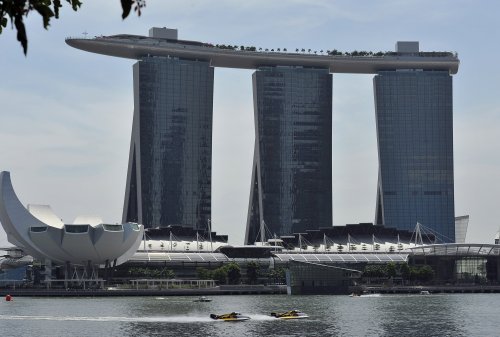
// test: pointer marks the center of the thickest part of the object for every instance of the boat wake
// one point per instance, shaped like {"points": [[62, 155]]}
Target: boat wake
{"points": [[371, 295], [166, 319], [155, 319], [259, 317]]}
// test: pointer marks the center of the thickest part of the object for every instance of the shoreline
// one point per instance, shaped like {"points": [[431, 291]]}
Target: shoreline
{"points": [[220, 290], [432, 289]]}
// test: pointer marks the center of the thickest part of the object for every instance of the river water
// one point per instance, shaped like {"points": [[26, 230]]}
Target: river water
{"points": [[383, 315]]}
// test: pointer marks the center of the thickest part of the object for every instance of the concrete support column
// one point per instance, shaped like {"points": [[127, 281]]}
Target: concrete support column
{"points": [[48, 272], [67, 271], [498, 270]]}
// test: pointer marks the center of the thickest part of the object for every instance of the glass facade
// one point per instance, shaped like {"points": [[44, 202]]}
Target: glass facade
{"points": [[314, 278], [291, 188], [472, 269], [170, 164], [415, 148]]}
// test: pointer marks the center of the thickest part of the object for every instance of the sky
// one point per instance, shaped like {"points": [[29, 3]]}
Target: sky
{"points": [[66, 115]]}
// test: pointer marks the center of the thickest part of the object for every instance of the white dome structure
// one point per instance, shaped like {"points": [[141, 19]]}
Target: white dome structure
{"points": [[40, 233]]}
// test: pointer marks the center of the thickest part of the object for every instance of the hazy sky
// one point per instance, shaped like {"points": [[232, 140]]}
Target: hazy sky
{"points": [[66, 115]]}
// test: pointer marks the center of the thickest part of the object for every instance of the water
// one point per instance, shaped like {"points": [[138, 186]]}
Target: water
{"points": [[385, 315]]}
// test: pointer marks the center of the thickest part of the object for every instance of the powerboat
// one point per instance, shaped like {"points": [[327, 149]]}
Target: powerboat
{"points": [[292, 314], [203, 299], [231, 317]]}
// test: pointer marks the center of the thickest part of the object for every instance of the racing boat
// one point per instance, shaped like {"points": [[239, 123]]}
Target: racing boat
{"points": [[292, 314], [232, 317]]}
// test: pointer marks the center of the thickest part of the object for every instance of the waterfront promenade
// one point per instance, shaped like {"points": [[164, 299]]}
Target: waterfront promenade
{"points": [[433, 289], [239, 290], [219, 290]]}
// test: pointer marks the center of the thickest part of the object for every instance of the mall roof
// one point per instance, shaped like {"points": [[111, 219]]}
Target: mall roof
{"points": [[457, 249], [343, 258], [177, 257]]}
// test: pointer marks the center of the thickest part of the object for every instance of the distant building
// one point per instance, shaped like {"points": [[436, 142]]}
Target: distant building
{"points": [[170, 157], [356, 238], [292, 170], [461, 224], [39, 232], [414, 116], [170, 162]]}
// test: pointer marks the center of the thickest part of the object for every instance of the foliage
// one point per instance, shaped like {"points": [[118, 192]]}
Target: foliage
{"points": [[128, 4], [422, 273], [203, 273], [220, 275], [390, 269], [17, 10], [229, 273], [233, 273], [151, 272], [335, 52], [253, 269], [375, 271], [278, 275], [405, 271]]}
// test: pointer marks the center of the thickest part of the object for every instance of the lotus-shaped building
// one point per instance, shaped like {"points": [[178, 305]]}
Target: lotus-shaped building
{"points": [[40, 233]]}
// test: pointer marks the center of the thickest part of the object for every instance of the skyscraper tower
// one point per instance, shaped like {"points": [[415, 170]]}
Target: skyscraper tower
{"points": [[169, 173], [414, 117], [291, 178]]}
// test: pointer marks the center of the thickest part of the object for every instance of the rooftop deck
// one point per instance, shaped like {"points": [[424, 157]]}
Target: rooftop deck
{"points": [[138, 47]]}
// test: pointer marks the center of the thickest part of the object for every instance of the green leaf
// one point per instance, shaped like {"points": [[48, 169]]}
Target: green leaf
{"points": [[126, 6], [21, 32], [45, 12], [57, 5], [75, 4]]}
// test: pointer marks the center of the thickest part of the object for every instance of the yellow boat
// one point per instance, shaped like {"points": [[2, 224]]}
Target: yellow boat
{"points": [[292, 314], [231, 317]]}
